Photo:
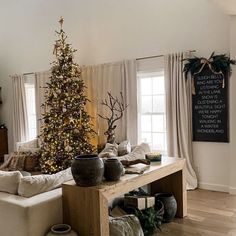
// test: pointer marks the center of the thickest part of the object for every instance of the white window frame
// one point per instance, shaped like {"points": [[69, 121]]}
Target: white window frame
{"points": [[141, 75]]}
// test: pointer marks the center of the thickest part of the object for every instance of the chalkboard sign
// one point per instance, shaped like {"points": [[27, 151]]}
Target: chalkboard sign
{"points": [[210, 106]]}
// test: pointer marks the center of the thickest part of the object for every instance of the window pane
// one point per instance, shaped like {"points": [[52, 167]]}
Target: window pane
{"points": [[146, 123], [30, 91], [152, 110], [31, 120], [158, 85], [159, 103], [159, 141], [146, 138], [165, 146], [158, 123], [164, 120], [146, 86], [31, 106], [146, 104]]}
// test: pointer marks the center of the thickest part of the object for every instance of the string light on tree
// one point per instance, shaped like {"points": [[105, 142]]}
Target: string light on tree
{"points": [[66, 130]]}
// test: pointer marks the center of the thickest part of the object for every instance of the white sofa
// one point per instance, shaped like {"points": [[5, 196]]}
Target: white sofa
{"points": [[30, 205], [32, 216]]}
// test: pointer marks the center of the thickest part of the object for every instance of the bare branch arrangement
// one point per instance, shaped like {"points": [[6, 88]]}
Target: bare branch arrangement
{"points": [[116, 111]]}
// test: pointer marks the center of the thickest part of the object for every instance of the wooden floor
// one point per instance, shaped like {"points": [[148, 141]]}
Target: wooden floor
{"points": [[209, 213]]}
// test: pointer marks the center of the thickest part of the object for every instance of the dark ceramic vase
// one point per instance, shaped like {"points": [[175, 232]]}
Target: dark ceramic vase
{"points": [[170, 205], [87, 170], [113, 169], [159, 207]]}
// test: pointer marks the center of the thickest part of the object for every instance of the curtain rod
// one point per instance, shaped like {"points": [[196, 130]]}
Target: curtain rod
{"points": [[150, 57], [29, 73], [137, 59]]}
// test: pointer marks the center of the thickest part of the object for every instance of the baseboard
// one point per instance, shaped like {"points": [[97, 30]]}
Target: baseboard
{"points": [[232, 190], [214, 187]]}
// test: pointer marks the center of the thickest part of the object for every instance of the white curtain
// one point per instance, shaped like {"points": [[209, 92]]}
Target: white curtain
{"points": [[178, 113], [20, 120], [130, 69], [115, 78], [41, 80]]}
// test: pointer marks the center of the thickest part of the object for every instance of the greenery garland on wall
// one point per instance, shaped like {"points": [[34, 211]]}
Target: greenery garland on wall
{"points": [[217, 63], [210, 96]]}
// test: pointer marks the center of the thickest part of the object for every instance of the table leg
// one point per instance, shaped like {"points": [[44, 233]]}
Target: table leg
{"points": [[86, 210], [175, 184]]}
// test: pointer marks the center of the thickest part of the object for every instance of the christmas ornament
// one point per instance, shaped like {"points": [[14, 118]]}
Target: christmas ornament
{"points": [[68, 148]]}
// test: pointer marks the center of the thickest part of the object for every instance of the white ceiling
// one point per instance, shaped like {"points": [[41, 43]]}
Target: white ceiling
{"points": [[228, 6]]}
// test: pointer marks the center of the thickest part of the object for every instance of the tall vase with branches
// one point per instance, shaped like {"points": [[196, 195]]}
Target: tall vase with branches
{"points": [[116, 108]]}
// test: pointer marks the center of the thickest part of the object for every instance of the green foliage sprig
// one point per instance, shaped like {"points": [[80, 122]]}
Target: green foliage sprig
{"points": [[140, 192], [149, 220], [218, 63]]}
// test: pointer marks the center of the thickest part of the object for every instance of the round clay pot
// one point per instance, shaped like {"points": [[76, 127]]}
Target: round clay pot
{"points": [[61, 229], [170, 205], [87, 170], [113, 169], [159, 207]]}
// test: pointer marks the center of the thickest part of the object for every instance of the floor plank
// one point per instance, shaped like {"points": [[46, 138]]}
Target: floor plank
{"points": [[210, 213]]}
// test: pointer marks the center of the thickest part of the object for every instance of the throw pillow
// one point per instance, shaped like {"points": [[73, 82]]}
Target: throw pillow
{"points": [[32, 185], [137, 153], [9, 181], [29, 146], [125, 225], [124, 148], [110, 150], [15, 162], [28, 161], [32, 161]]}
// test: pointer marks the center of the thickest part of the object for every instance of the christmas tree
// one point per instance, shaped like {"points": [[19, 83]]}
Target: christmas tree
{"points": [[66, 130]]}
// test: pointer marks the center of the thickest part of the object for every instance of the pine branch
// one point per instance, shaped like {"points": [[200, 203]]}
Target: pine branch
{"points": [[219, 63]]}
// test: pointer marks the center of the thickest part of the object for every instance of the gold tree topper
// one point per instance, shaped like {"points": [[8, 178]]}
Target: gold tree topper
{"points": [[61, 21], [57, 44]]}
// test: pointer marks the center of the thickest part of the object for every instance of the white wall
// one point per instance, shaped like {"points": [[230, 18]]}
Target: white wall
{"points": [[136, 28], [111, 30], [27, 34]]}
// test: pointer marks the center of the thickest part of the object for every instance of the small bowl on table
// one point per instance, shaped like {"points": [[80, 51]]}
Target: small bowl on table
{"points": [[153, 156]]}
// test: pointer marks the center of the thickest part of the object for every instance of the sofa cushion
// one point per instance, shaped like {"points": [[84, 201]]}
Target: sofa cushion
{"points": [[124, 148], [32, 185], [9, 181]]}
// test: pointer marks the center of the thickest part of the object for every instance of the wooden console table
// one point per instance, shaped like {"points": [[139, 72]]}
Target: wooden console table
{"points": [[86, 208]]}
